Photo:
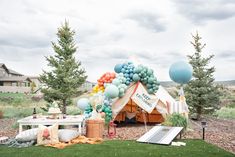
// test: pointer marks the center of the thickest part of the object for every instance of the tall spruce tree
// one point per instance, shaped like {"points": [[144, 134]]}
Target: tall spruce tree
{"points": [[201, 92], [66, 75]]}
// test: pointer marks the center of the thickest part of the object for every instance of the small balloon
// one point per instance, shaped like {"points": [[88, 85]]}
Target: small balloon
{"points": [[136, 77]]}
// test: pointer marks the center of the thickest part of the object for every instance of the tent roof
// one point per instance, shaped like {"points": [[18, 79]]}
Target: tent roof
{"points": [[164, 96], [162, 101]]}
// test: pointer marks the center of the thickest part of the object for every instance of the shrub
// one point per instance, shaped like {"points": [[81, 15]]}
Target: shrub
{"points": [[19, 112], [176, 120], [37, 98], [226, 112], [1, 114], [15, 112], [72, 110], [232, 105]]}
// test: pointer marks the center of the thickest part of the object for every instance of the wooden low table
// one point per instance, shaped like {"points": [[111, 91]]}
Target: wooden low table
{"points": [[44, 120]]}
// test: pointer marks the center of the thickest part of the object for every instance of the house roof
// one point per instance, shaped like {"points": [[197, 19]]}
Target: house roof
{"points": [[4, 66], [14, 72], [10, 71], [15, 78]]}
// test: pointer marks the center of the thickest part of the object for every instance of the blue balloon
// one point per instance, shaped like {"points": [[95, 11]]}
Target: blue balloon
{"points": [[118, 68], [181, 72], [123, 70], [83, 103]]}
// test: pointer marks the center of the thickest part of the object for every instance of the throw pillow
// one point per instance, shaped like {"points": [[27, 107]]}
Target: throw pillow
{"points": [[66, 135], [27, 135], [47, 135]]}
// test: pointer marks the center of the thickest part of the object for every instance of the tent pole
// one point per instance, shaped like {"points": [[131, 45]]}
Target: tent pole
{"points": [[145, 124]]}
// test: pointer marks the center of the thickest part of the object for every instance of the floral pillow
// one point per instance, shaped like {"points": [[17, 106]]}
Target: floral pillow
{"points": [[47, 135]]}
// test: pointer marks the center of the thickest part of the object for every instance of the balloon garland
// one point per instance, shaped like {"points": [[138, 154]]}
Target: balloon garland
{"points": [[103, 80], [113, 85]]}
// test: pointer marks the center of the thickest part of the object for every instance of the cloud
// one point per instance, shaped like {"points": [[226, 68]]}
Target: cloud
{"points": [[200, 11], [229, 54], [24, 41], [148, 20], [152, 33]]}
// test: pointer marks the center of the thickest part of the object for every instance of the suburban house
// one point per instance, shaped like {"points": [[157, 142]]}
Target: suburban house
{"points": [[12, 81], [87, 86]]}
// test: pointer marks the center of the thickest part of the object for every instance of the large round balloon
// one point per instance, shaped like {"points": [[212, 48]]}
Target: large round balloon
{"points": [[118, 68], [181, 72], [83, 103], [111, 91]]}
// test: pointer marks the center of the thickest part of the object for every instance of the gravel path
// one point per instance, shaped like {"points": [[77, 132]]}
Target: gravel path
{"points": [[219, 132]]}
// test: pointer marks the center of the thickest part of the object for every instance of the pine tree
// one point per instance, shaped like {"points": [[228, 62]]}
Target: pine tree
{"points": [[66, 75], [201, 92]]}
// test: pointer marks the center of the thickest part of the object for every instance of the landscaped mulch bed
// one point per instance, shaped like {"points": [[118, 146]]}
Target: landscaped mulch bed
{"points": [[220, 132], [6, 127]]}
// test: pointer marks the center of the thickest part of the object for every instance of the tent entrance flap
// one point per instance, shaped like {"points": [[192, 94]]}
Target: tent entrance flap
{"points": [[132, 108], [143, 99]]}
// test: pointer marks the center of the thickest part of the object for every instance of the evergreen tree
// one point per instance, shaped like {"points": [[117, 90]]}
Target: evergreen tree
{"points": [[66, 75], [201, 92]]}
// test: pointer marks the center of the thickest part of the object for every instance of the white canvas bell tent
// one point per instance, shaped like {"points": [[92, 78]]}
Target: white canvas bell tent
{"points": [[168, 105], [144, 107]]}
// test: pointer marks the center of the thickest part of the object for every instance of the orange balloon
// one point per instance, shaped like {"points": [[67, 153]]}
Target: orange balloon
{"points": [[113, 75]]}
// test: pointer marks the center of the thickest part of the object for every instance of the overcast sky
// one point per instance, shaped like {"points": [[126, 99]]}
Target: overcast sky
{"points": [[150, 32]]}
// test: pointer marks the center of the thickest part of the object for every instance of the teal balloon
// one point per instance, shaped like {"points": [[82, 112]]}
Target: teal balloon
{"points": [[136, 77], [118, 68], [150, 72], [150, 91], [83, 103], [181, 72], [151, 80], [111, 91], [116, 82], [107, 110], [121, 90], [137, 70], [149, 85]]}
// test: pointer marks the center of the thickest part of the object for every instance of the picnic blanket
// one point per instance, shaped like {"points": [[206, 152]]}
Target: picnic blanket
{"points": [[78, 140], [12, 142]]}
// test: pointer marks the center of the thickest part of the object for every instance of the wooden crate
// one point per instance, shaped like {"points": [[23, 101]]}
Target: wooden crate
{"points": [[94, 128]]}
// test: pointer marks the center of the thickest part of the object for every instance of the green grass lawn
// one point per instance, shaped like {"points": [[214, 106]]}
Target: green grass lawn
{"points": [[193, 148], [15, 95]]}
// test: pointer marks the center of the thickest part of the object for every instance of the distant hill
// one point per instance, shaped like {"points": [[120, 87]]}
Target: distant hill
{"points": [[168, 84], [226, 83], [173, 84]]}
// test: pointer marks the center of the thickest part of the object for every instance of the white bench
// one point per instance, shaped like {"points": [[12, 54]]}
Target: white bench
{"points": [[43, 120]]}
